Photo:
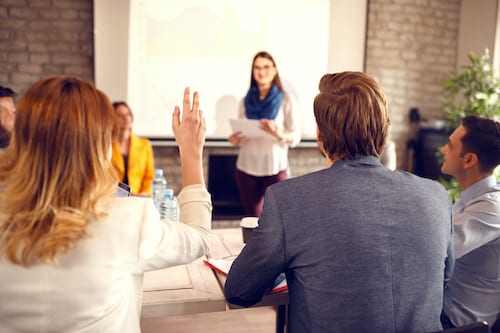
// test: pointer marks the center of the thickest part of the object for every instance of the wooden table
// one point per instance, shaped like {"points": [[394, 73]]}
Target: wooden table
{"points": [[196, 288], [181, 290]]}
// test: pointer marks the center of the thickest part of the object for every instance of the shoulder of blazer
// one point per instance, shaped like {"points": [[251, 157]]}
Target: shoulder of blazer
{"points": [[136, 142]]}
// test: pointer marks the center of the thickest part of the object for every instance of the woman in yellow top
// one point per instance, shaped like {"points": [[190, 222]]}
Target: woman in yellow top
{"points": [[132, 156]]}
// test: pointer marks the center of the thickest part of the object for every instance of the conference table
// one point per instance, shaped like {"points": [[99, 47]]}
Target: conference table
{"points": [[196, 288]]}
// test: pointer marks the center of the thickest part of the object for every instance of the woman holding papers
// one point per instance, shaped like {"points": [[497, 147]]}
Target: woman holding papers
{"points": [[72, 253], [263, 160]]}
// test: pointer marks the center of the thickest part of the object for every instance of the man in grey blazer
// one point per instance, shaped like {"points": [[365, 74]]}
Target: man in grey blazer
{"points": [[364, 248]]}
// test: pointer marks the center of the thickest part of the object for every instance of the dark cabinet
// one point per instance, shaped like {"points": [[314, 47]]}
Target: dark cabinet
{"points": [[222, 186], [427, 156]]}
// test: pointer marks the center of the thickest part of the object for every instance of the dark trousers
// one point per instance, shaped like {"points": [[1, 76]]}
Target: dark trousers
{"points": [[252, 189]]}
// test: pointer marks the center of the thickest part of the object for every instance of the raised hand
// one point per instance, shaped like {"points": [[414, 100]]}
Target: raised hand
{"points": [[189, 131]]}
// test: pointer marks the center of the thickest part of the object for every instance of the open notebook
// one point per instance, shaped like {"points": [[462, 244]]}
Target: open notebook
{"points": [[223, 265]]}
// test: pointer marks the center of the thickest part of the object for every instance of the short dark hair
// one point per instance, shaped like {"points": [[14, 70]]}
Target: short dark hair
{"points": [[6, 92], [482, 137]]}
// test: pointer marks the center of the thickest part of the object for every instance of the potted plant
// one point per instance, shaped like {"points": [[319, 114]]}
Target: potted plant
{"points": [[474, 90]]}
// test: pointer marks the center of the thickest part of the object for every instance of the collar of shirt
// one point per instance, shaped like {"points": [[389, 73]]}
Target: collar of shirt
{"points": [[473, 191]]}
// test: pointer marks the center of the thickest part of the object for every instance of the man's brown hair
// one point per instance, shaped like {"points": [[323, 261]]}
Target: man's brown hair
{"points": [[351, 115]]}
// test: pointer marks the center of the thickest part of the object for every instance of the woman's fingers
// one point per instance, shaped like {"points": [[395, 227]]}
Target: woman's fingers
{"points": [[176, 118], [186, 103]]}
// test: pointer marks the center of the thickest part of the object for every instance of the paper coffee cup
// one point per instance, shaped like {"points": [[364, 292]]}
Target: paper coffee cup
{"points": [[247, 225]]}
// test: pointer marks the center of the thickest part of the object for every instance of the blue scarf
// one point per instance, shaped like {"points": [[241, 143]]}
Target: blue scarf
{"points": [[267, 108]]}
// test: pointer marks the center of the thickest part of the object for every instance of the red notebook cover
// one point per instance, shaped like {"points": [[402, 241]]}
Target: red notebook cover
{"points": [[223, 265]]}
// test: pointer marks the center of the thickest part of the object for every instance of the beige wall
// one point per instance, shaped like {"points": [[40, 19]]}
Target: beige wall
{"points": [[477, 30]]}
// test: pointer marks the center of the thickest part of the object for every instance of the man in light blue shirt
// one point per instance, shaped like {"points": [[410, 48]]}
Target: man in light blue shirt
{"points": [[471, 156]]}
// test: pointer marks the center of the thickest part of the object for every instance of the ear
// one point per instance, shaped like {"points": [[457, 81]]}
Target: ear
{"points": [[320, 143], [470, 160]]}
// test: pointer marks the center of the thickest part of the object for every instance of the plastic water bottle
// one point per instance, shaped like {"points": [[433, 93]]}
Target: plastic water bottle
{"points": [[159, 185], [169, 208]]}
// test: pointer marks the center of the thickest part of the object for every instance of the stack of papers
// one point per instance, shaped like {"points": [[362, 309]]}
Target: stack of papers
{"points": [[223, 265], [249, 128]]}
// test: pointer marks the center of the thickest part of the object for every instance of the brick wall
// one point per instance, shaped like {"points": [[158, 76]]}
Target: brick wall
{"points": [[45, 37], [411, 46]]}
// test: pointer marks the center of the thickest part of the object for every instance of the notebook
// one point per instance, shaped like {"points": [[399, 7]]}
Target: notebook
{"points": [[223, 265]]}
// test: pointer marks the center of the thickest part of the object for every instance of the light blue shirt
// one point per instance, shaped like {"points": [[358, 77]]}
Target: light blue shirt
{"points": [[473, 293]]}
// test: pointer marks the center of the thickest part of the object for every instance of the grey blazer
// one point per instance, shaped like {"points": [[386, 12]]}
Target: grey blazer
{"points": [[364, 249]]}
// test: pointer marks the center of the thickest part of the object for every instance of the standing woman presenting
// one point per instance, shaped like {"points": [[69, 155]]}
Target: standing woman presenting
{"points": [[132, 156], [263, 161]]}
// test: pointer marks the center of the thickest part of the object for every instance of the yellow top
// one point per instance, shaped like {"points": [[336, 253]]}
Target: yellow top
{"points": [[140, 164]]}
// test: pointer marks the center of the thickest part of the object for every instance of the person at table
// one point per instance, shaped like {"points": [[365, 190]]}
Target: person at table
{"points": [[364, 248], [263, 161], [132, 155], [471, 156], [7, 115], [72, 253]]}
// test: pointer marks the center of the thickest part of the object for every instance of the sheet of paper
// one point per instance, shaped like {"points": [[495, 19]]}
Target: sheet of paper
{"points": [[249, 128]]}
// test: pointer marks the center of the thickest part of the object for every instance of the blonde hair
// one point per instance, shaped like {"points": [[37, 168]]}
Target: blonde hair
{"points": [[55, 170], [351, 115]]}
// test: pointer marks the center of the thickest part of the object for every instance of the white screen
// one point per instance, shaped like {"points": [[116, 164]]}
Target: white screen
{"points": [[208, 45]]}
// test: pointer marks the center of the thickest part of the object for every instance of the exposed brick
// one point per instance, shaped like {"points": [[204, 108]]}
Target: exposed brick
{"points": [[70, 59], [37, 25], [39, 47], [53, 69], [4, 35], [48, 14], [69, 14], [11, 23], [39, 3], [13, 3], [6, 67], [69, 25], [80, 71], [22, 78], [63, 48], [13, 45], [48, 36], [30, 68], [78, 4], [17, 57], [23, 12], [39, 58]]}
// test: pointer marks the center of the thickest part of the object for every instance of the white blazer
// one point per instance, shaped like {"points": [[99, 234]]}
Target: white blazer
{"points": [[97, 287]]}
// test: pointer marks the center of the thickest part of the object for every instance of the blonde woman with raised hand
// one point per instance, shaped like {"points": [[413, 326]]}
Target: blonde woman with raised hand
{"points": [[72, 253]]}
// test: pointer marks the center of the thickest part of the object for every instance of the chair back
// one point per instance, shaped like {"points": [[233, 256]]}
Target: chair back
{"points": [[479, 327], [496, 326]]}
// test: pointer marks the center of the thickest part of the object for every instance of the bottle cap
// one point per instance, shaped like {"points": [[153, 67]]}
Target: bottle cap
{"points": [[168, 193]]}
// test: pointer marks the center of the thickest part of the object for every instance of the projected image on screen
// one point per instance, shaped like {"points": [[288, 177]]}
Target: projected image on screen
{"points": [[209, 46]]}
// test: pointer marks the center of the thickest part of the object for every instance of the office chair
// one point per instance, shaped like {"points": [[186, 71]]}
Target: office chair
{"points": [[496, 327], [479, 327]]}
